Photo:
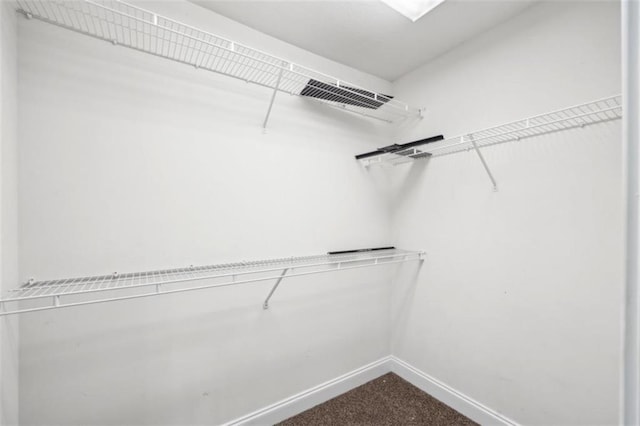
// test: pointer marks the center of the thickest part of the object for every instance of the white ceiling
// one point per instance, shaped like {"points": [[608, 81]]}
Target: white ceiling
{"points": [[367, 34]]}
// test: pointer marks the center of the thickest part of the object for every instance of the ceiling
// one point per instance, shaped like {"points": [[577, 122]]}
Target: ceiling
{"points": [[367, 34]]}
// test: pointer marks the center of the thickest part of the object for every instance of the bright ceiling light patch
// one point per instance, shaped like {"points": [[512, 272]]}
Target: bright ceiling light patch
{"points": [[412, 9]]}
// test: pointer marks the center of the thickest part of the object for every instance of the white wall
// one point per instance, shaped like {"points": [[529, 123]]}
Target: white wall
{"points": [[129, 162], [518, 303], [8, 211]]}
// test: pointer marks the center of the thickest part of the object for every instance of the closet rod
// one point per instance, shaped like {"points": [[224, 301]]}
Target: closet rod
{"points": [[62, 293]]}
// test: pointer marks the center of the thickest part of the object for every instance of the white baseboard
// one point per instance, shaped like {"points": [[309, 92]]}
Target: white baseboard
{"points": [[446, 394], [305, 400], [296, 404]]}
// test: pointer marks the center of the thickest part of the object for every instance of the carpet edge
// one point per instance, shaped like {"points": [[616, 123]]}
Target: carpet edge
{"points": [[311, 397], [455, 399]]}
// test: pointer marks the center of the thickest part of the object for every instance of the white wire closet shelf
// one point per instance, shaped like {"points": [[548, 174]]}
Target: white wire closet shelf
{"points": [[577, 116], [126, 25], [52, 294]]}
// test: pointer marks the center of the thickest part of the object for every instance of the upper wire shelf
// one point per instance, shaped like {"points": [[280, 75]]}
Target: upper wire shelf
{"points": [[43, 295], [127, 25], [602, 110]]}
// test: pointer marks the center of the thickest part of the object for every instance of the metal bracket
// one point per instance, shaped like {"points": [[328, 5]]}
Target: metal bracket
{"points": [[273, 98], [484, 163], [265, 305], [26, 14]]}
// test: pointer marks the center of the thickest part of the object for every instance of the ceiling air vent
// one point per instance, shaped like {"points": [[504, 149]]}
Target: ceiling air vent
{"points": [[344, 94]]}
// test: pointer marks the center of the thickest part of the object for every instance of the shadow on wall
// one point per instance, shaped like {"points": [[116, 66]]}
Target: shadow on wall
{"points": [[407, 185], [404, 288], [326, 114]]}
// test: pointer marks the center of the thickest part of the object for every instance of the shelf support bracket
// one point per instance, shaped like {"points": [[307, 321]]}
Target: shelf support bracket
{"points": [[265, 305], [484, 163], [273, 97]]}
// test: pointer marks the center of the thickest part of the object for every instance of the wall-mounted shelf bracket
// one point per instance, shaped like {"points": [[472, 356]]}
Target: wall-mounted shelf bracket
{"points": [[265, 305], [273, 98], [484, 163]]}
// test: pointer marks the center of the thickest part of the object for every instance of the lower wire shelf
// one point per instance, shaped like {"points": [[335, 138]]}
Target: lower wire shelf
{"points": [[53, 294]]}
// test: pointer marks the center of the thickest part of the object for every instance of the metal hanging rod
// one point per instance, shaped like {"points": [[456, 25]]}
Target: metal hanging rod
{"points": [[36, 296], [126, 25], [599, 111]]}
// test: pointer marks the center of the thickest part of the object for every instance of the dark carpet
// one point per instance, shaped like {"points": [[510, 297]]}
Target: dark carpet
{"points": [[387, 400]]}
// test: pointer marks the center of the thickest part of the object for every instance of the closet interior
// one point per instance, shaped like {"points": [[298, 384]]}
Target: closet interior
{"points": [[321, 193]]}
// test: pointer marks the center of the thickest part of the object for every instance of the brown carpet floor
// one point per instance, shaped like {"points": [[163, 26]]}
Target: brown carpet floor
{"points": [[387, 400]]}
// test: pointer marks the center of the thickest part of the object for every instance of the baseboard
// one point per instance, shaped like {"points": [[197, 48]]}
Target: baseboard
{"points": [[296, 404], [453, 398], [302, 401]]}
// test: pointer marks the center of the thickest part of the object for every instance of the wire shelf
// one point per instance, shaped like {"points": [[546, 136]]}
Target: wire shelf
{"points": [[123, 24], [578, 116], [52, 294]]}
